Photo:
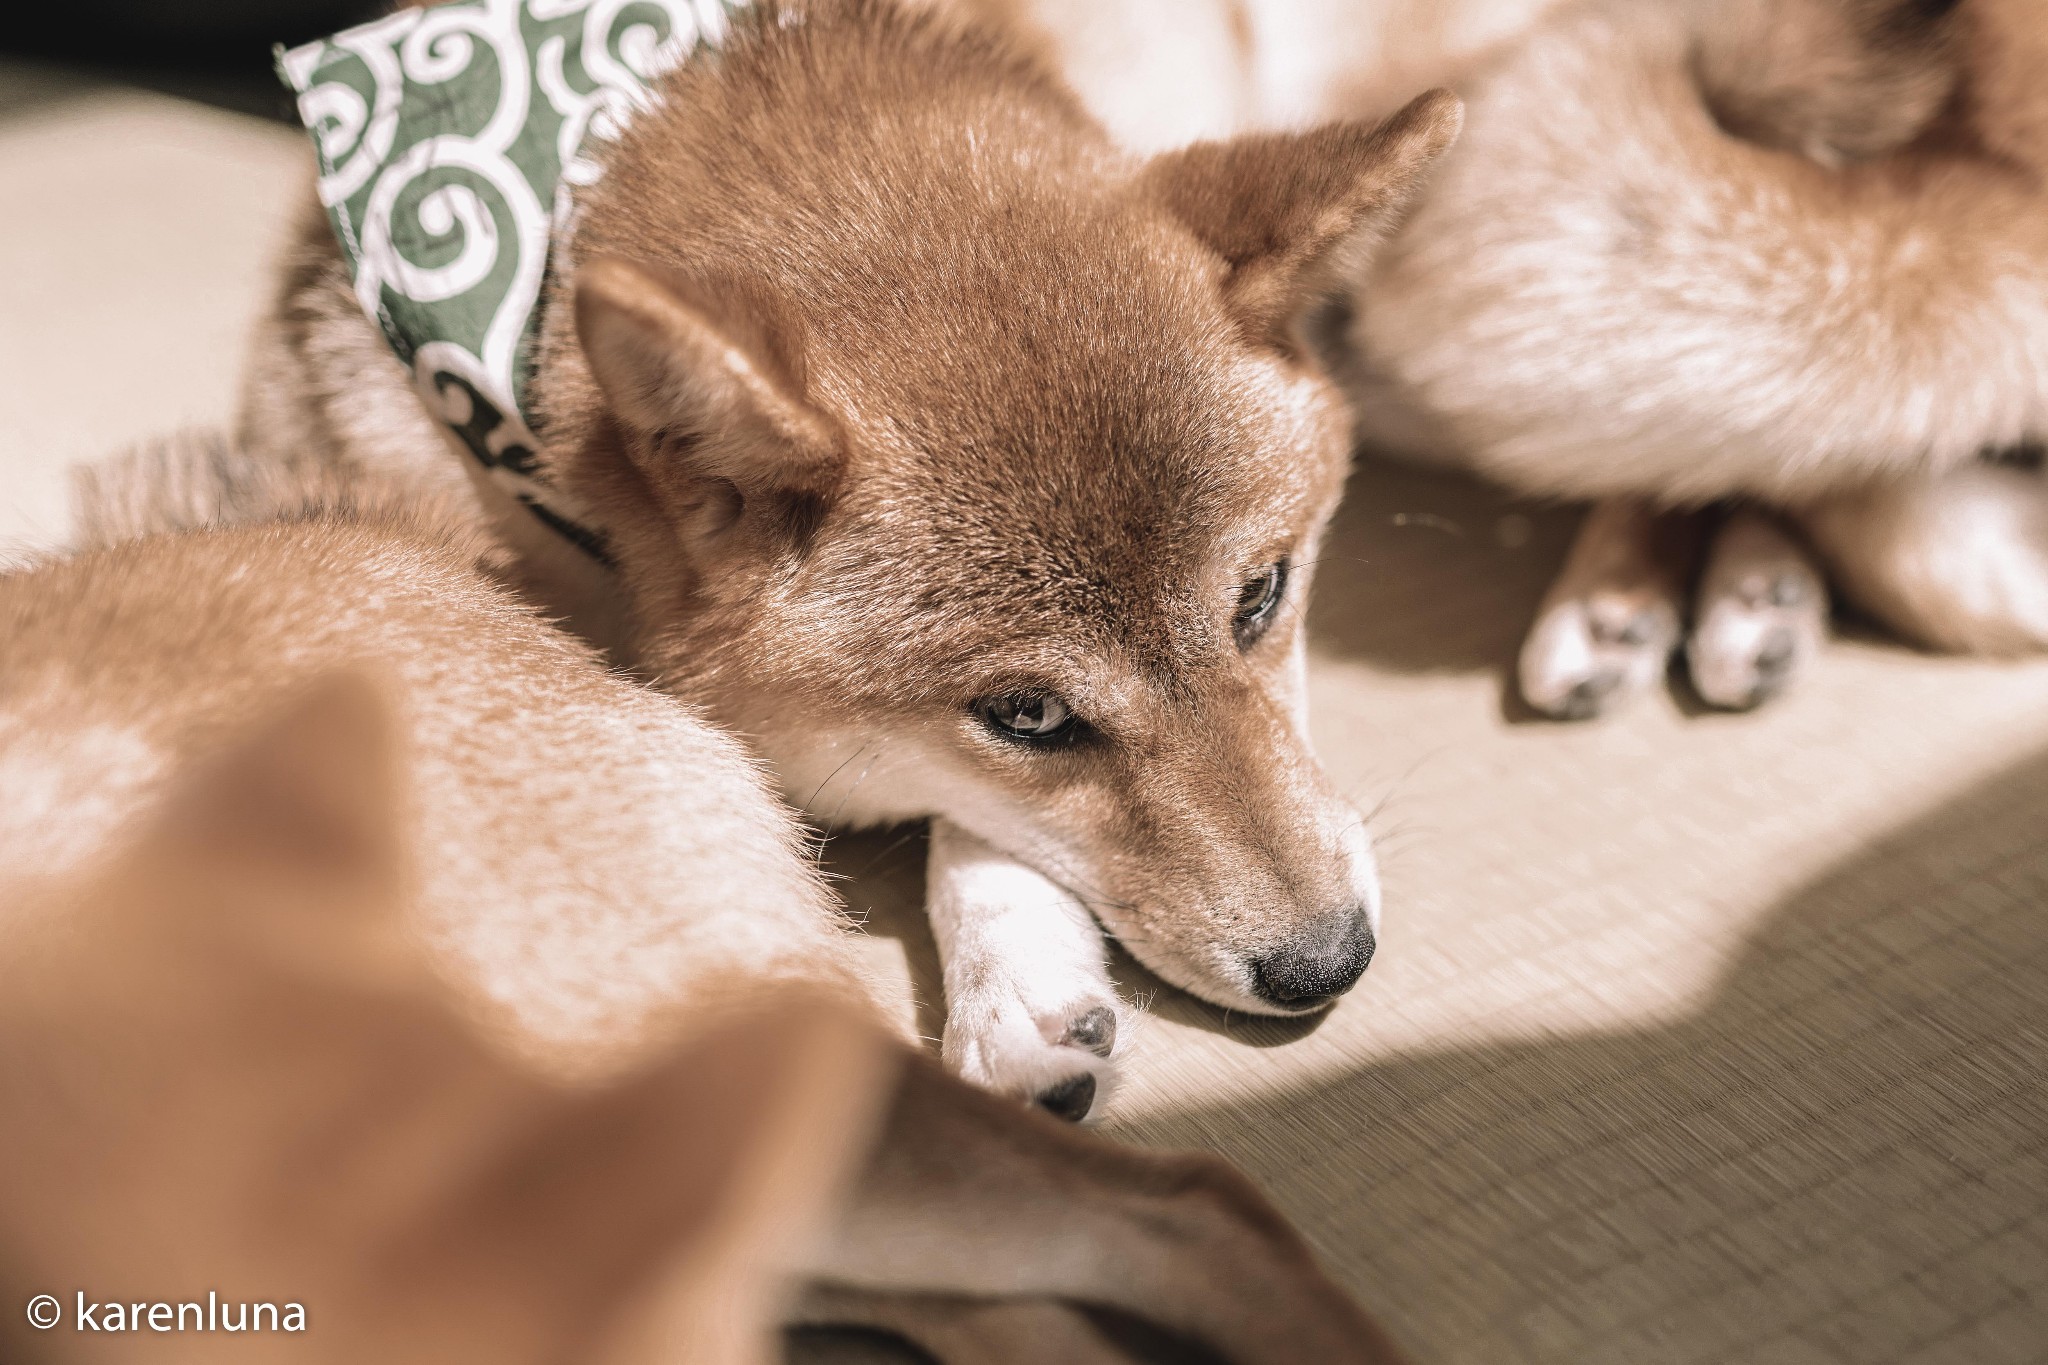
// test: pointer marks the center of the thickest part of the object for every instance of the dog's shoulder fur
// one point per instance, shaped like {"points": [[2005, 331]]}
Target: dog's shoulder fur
{"points": [[590, 850]]}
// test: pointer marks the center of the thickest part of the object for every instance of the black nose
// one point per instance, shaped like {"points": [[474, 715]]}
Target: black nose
{"points": [[1319, 964]]}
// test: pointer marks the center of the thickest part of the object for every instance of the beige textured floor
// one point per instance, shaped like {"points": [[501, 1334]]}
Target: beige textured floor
{"points": [[1693, 1038]]}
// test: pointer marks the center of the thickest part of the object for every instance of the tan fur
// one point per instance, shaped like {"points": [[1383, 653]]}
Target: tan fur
{"points": [[1793, 252], [896, 386], [224, 1070], [1958, 563], [993, 427], [229, 1064], [1607, 293], [1836, 80], [547, 894], [1164, 73]]}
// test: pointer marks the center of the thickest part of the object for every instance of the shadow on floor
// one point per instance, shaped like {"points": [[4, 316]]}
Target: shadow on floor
{"points": [[1427, 572], [1842, 1158]]}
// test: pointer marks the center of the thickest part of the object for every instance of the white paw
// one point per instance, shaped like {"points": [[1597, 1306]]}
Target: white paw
{"points": [[1590, 652], [1060, 1059], [1761, 615], [1030, 1010], [1610, 622]]}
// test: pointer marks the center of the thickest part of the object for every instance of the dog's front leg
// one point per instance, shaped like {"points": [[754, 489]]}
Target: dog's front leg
{"points": [[965, 1195], [1030, 1010], [956, 1330]]}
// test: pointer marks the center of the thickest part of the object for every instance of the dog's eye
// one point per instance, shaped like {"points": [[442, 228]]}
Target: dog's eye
{"points": [[1258, 601], [1031, 717]]}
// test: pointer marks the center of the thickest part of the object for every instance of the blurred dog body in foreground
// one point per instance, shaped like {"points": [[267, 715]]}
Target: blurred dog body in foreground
{"points": [[969, 468], [228, 1082], [368, 996]]}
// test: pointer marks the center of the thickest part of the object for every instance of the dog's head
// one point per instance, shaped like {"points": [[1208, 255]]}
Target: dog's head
{"points": [[974, 470]]}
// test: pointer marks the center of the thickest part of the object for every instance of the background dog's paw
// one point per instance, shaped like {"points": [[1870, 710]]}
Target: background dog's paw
{"points": [[1588, 654], [1061, 1060], [1610, 622], [1761, 615]]}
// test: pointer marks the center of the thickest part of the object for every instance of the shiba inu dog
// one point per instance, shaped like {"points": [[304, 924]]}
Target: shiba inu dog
{"points": [[372, 947], [967, 467], [1787, 253]]}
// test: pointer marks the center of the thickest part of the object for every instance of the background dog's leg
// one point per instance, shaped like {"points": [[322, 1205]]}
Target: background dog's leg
{"points": [[1760, 613], [1958, 562], [968, 1195], [1030, 1010], [1608, 626], [960, 1331]]}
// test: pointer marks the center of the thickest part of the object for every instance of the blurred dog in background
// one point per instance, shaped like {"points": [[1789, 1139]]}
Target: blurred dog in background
{"points": [[1790, 254], [1782, 259], [489, 1008]]}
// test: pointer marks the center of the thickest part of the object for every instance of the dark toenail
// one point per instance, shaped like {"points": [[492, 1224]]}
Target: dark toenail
{"points": [[1774, 665], [1583, 702], [1789, 590], [1095, 1031], [1774, 660], [1069, 1100], [1773, 668]]}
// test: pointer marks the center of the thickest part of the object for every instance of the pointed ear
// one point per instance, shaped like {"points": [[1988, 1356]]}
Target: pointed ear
{"points": [[310, 797], [722, 374], [657, 1219], [1290, 213]]}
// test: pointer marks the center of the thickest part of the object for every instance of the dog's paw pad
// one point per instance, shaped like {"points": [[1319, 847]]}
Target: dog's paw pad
{"points": [[1783, 590], [1094, 1031], [1070, 1100]]}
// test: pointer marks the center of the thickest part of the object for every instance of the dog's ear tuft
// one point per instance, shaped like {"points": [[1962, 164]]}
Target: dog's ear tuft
{"points": [[658, 1218], [717, 372], [312, 796], [1291, 214]]}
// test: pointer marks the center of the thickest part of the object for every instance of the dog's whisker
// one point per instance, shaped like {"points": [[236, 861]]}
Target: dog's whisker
{"points": [[812, 801], [847, 795]]}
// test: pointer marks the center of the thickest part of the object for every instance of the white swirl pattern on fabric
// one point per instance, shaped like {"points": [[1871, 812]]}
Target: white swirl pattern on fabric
{"points": [[450, 143]]}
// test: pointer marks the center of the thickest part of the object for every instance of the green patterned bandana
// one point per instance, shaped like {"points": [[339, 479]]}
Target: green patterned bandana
{"points": [[450, 143]]}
